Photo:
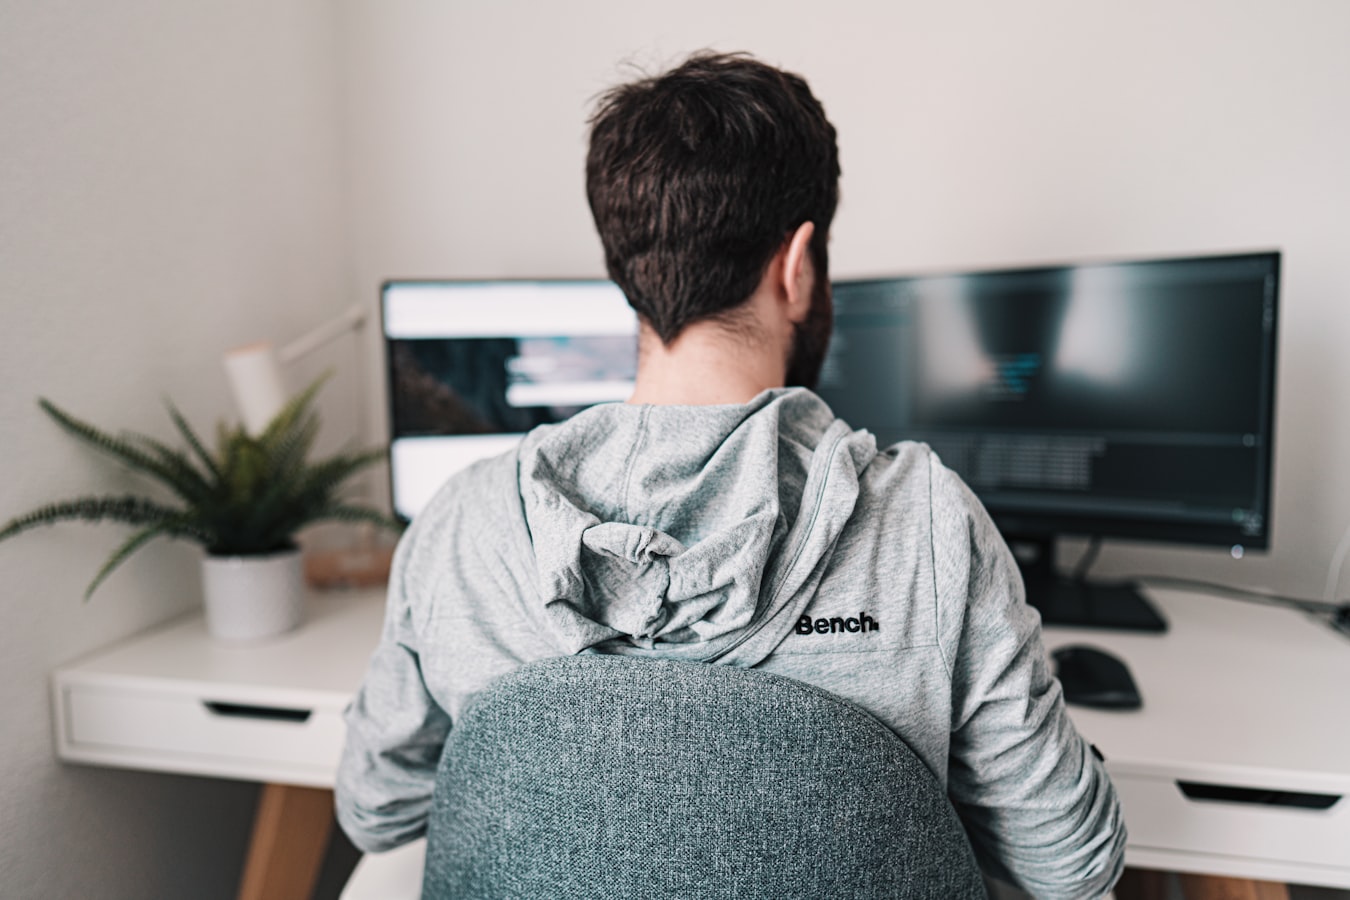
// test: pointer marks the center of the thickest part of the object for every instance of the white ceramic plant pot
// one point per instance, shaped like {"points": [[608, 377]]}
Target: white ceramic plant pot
{"points": [[249, 598]]}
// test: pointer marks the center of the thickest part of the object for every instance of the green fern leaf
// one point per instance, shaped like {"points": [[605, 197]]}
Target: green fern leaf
{"points": [[188, 482], [117, 447], [130, 510], [192, 440], [119, 556], [292, 447], [324, 477], [291, 413]]}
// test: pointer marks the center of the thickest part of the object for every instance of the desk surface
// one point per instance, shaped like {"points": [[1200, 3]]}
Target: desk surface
{"points": [[1234, 691], [1235, 694], [1224, 690], [175, 700], [319, 665]]}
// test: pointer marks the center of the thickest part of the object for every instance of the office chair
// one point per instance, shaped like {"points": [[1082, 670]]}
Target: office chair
{"points": [[612, 777]]}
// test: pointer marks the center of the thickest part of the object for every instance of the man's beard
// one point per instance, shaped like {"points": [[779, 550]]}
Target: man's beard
{"points": [[811, 338]]}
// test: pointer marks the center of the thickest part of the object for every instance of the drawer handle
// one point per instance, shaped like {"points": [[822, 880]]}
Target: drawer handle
{"points": [[267, 713], [1257, 796]]}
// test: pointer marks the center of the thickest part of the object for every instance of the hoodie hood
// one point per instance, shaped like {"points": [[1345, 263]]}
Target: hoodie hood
{"points": [[695, 532]]}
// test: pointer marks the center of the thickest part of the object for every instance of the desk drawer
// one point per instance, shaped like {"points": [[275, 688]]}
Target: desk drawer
{"points": [[1160, 815], [200, 729]]}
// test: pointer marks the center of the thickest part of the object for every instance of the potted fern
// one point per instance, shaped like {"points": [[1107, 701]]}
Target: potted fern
{"points": [[243, 503]]}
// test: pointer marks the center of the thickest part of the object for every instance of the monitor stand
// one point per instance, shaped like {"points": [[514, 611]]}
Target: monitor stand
{"points": [[1084, 604]]}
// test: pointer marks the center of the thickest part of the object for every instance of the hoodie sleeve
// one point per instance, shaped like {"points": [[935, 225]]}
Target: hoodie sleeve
{"points": [[1037, 803], [395, 732]]}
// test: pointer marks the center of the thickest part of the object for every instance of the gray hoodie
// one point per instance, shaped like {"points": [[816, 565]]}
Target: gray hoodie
{"points": [[768, 535]]}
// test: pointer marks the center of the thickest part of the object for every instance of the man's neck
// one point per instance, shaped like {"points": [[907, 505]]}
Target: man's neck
{"points": [[705, 365]]}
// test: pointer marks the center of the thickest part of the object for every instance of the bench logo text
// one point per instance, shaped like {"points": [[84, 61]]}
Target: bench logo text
{"points": [[863, 622]]}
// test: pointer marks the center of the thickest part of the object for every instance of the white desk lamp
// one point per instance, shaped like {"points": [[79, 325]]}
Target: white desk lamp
{"points": [[255, 370]]}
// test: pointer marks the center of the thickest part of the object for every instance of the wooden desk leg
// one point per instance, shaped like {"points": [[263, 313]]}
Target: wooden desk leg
{"points": [[1212, 887], [290, 835], [1141, 884]]}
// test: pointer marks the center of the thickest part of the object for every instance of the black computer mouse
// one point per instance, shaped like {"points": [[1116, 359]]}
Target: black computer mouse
{"points": [[1093, 677]]}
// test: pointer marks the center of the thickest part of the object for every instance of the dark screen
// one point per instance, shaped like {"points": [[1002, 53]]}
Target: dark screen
{"points": [[1126, 399]]}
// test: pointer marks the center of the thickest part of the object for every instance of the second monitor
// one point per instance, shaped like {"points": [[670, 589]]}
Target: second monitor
{"points": [[1129, 399]]}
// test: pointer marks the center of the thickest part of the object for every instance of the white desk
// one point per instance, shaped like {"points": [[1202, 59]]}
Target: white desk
{"points": [[1238, 695], [1235, 695], [174, 700]]}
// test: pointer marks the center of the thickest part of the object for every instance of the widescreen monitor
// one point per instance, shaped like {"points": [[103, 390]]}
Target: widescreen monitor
{"points": [[1124, 399], [473, 365]]}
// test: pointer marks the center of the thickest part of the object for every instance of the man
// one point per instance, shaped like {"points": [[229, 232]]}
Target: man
{"points": [[723, 517]]}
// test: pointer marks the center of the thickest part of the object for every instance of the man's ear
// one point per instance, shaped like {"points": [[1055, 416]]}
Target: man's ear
{"points": [[798, 273]]}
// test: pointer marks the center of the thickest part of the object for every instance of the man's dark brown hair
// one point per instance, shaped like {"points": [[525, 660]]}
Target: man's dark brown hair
{"points": [[696, 177]]}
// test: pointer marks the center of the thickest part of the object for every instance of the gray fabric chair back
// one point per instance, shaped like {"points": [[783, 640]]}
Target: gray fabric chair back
{"points": [[609, 777]]}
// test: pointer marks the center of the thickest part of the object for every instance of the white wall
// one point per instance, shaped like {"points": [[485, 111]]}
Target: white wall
{"points": [[178, 178], [171, 185], [972, 134]]}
